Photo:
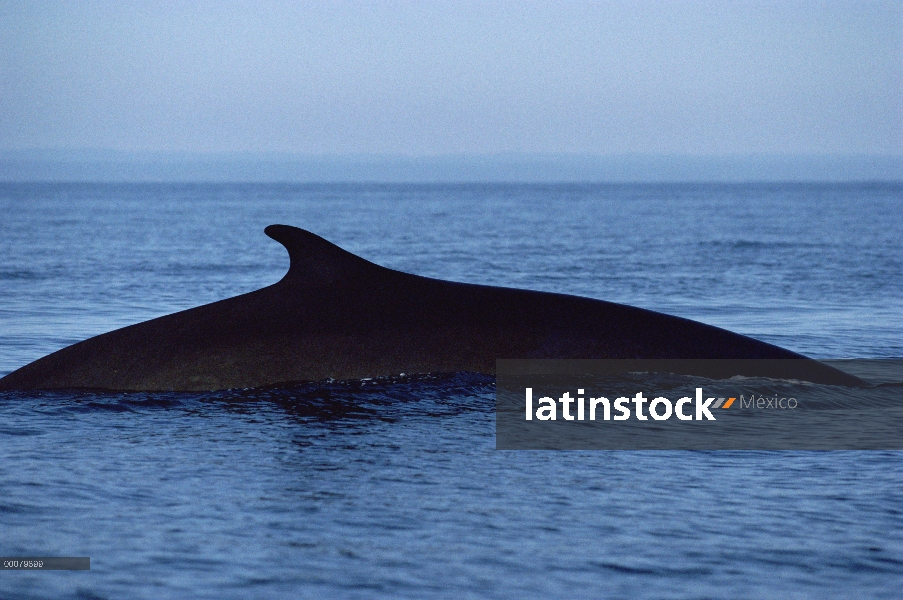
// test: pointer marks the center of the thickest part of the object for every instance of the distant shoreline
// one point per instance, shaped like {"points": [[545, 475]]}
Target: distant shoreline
{"points": [[164, 167]]}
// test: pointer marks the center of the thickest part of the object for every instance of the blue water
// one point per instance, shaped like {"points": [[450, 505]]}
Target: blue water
{"points": [[393, 488]]}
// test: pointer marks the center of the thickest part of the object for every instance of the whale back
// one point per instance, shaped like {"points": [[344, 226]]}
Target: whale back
{"points": [[337, 315]]}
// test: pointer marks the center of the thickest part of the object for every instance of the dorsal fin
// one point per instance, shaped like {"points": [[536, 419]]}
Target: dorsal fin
{"points": [[315, 261]]}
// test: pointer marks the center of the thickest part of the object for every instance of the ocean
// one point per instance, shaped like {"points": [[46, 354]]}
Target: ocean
{"points": [[393, 488]]}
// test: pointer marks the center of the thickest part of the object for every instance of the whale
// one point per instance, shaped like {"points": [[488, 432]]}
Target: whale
{"points": [[335, 315]]}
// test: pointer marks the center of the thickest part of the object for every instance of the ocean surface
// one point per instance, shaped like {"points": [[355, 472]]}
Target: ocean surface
{"points": [[392, 488]]}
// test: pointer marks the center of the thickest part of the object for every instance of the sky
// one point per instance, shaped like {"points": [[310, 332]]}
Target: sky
{"points": [[454, 77]]}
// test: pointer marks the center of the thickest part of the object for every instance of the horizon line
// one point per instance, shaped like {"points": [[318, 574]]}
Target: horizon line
{"points": [[270, 167]]}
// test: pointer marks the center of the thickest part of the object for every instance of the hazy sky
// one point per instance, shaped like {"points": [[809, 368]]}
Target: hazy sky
{"points": [[436, 77]]}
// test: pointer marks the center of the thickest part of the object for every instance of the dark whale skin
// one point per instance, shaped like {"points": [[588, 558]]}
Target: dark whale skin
{"points": [[336, 315]]}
